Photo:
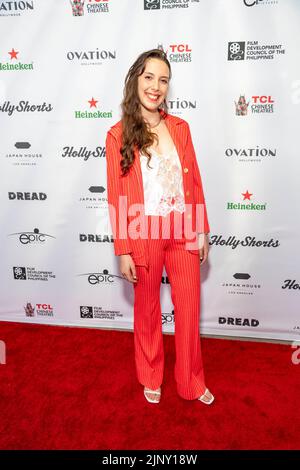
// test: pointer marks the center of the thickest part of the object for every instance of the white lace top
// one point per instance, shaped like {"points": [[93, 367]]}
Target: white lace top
{"points": [[163, 186]]}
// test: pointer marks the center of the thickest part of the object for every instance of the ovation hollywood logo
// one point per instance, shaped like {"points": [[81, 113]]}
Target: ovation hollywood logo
{"points": [[252, 206], [259, 104], [25, 107], [93, 114], [14, 62], [91, 57], [87, 311], [178, 105], [166, 4], [177, 52], [42, 310], [92, 6], [255, 154], [104, 277], [31, 237], [253, 50], [15, 8]]}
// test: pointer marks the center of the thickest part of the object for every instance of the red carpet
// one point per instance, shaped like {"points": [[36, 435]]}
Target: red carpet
{"points": [[75, 388]]}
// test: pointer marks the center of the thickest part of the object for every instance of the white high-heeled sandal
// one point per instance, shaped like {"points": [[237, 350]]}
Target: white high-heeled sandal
{"points": [[204, 395], [154, 392]]}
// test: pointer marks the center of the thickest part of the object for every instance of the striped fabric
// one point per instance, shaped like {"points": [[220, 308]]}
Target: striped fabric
{"points": [[131, 188], [183, 270]]}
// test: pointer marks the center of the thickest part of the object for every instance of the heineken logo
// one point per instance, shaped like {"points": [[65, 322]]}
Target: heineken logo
{"points": [[13, 62], [252, 206], [93, 112]]}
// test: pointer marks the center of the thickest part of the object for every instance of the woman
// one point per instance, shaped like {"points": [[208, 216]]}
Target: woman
{"points": [[152, 171]]}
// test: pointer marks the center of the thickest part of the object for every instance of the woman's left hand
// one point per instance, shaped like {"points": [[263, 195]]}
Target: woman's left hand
{"points": [[203, 244]]}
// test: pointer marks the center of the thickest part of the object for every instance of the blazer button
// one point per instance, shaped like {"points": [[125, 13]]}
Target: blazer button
{"points": [[189, 216], [187, 193], [186, 170]]}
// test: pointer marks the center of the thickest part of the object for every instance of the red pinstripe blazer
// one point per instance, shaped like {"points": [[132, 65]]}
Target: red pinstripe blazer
{"points": [[131, 186]]}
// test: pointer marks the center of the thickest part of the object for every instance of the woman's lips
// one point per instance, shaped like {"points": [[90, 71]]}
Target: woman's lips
{"points": [[151, 97]]}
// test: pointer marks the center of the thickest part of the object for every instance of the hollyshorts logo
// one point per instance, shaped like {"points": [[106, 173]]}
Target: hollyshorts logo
{"points": [[95, 238], [260, 104], [167, 4], [246, 207], [23, 157], [15, 8], [291, 284], [32, 274], [92, 6], [104, 277], [41, 310], [25, 107], [94, 114], [177, 52], [83, 153], [236, 321], [253, 3], [91, 57], [249, 241], [94, 200], [99, 313], [28, 238], [250, 155], [168, 318], [14, 63], [241, 285], [177, 106], [253, 50], [26, 196]]}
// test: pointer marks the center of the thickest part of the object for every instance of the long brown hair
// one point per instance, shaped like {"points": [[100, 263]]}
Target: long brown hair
{"points": [[135, 131]]}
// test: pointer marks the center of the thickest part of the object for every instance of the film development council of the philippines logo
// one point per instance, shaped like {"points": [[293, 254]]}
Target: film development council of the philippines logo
{"points": [[151, 4], [236, 50], [77, 7]]}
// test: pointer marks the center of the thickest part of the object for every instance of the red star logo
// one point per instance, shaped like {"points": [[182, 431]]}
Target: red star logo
{"points": [[247, 195], [13, 54], [93, 103]]}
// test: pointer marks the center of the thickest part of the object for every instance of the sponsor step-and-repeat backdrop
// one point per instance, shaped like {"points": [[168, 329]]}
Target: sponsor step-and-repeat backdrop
{"points": [[236, 80]]}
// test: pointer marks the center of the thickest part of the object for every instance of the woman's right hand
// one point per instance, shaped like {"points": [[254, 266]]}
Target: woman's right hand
{"points": [[127, 268]]}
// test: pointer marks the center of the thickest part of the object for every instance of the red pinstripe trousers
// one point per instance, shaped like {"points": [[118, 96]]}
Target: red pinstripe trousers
{"points": [[183, 270]]}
